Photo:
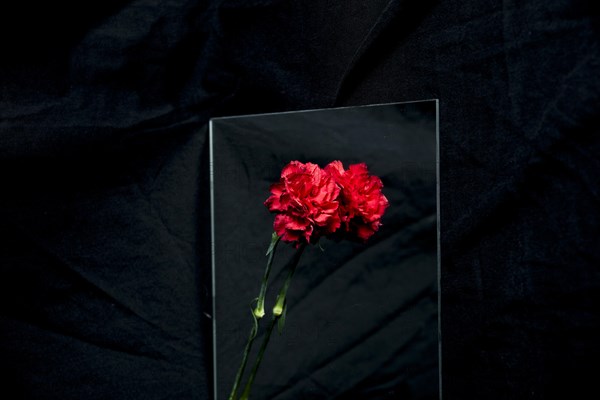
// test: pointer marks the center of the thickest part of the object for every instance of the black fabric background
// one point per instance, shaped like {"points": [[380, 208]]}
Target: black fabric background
{"points": [[103, 209]]}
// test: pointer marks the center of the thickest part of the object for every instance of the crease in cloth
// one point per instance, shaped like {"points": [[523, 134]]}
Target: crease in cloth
{"points": [[65, 263], [396, 10]]}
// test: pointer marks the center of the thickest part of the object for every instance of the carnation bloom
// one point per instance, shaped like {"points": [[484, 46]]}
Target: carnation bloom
{"points": [[311, 202], [306, 202], [361, 202]]}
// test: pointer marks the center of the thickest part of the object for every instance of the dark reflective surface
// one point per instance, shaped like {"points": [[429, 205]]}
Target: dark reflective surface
{"points": [[363, 318]]}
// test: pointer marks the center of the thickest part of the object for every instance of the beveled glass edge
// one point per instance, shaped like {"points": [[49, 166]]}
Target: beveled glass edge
{"points": [[439, 240], [320, 109], [211, 173]]}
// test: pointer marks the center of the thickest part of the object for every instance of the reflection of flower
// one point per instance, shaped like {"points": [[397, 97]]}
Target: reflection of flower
{"points": [[311, 202], [361, 202], [305, 200]]}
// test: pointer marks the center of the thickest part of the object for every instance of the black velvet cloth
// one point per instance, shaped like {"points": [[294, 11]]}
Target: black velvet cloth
{"points": [[103, 160]]}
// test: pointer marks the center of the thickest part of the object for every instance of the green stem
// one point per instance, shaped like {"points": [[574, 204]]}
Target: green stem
{"points": [[259, 357], [257, 314], [280, 300], [259, 311], [240, 372]]}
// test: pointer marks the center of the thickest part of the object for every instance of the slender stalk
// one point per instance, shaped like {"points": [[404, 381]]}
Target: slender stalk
{"points": [[240, 372], [261, 352], [277, 311], [259, 311], [280, 302], [257, 314]]}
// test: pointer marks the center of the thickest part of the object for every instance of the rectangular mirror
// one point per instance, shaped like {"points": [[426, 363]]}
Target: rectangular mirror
{"points": [[363, 318]]}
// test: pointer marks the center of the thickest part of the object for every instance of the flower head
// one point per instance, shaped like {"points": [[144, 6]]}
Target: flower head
{"points": [[361, 202], [306, 202]]}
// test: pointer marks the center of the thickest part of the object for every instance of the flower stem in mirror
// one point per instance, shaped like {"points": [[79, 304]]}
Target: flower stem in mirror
{"points": [[259, 311], [259, 357], [276, 315], [257, 314], [280, 302], [240, 372]]}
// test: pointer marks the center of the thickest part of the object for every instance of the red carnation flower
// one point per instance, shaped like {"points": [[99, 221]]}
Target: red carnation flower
{"points": [[361, 202], [305, 200]]}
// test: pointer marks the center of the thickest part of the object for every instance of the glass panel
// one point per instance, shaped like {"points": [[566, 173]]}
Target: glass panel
{"points": [[362, 318]]}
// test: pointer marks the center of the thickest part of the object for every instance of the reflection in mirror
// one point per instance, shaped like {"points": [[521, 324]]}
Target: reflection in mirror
{"points": [[361, 317]]}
